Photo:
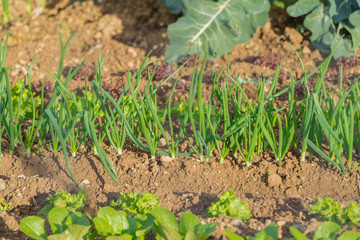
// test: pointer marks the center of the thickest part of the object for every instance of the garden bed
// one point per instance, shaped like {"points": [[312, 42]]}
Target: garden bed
{"points": [[276, 192]]}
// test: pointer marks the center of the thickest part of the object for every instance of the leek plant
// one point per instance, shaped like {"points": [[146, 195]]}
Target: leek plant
{"points": [[13, 117], [7, 16], [148, 125], [28, 6], [201, 134], [355, 98], [2, 128], [226, 122], [285, 134], [250, 134], [224, 94]]}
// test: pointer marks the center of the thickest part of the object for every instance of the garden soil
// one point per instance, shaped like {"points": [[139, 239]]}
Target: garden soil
{"points": [[125, 31]]}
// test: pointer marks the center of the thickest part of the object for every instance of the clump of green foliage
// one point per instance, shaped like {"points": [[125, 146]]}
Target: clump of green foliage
{"points": [[136, 203], [203, 24], [29, 101], [63, 223], [4, 205], [71, 202], [212, 27], [166, 226], [327, 230], [230, 206], [328, 21], [109, 223], [329, 210]]}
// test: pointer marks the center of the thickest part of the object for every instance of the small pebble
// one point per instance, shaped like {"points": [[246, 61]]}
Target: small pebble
{"points": [[83, 183], [2, 186], [236, 222], [162, 142], [166, 159]]}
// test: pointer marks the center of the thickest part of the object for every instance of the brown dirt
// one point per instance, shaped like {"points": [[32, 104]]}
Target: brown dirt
{"points": [[279, 193]]}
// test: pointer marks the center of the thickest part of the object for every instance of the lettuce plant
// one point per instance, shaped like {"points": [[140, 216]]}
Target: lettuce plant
{"points": [[329, 210], [230, 206], [110, 222], [71, 202], [167, 227], [28, 100], [269, 233], [64, 225], [136, 203], [328, 21], [327, 230]]}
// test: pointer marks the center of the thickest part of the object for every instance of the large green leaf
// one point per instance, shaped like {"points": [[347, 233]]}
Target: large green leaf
{"points": [[57, 218], [341, 9], [188, 221], [203, 231], [353, 27], [73, 232], [166, 217], [33, 226], [214, 27], [165, 224], [108, 218], [302, 7], [268, 233], [343, 47], [232, 236], [77, 218], [321, 27], [327, 230], [350, 235], [297, 234], [330, 22]]}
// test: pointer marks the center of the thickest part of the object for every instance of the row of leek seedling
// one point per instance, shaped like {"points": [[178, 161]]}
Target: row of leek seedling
{"points": [[227, 123]]}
